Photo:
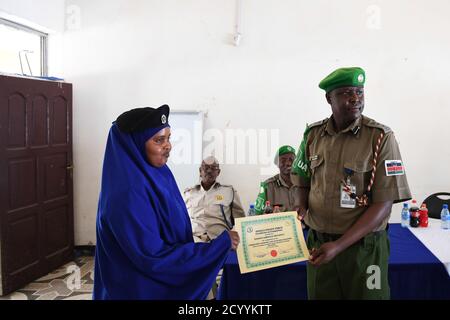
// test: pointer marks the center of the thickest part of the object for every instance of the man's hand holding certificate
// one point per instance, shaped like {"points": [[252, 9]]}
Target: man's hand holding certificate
{"points": [[269, 241]]}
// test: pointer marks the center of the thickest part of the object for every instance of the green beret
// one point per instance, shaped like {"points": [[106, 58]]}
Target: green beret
{"points": [[343, 77], [285, 149]]}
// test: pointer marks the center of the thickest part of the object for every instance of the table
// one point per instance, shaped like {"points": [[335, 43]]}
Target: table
{"points": [[414, 273]]}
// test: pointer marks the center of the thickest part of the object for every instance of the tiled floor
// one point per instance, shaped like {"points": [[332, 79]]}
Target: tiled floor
{"points": [[73, 281]]}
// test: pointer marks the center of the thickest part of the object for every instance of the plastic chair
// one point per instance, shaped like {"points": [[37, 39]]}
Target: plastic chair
{"points": [[435, 202]]}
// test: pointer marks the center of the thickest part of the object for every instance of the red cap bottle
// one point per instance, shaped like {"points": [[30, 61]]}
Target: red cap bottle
{"points": [[423, 216]]}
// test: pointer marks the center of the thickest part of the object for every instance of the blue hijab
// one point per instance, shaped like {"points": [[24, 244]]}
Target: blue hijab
{"points": [[145, 248]]}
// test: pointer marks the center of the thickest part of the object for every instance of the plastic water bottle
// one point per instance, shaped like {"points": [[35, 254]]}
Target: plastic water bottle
{"points": [[445, 217], [405, 216], [252, 211]]}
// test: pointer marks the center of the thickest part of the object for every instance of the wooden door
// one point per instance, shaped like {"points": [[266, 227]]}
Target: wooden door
{"points": [[36, 189]]}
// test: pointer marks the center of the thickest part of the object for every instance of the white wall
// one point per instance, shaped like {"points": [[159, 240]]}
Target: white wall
{"points": [[121, 54], [46, 13]]}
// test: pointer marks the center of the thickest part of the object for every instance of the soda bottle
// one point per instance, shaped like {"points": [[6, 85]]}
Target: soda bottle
{"points": [[414, 214], [423, 216], [267, 208], [252, 211], [445, 217], [405, 216]]}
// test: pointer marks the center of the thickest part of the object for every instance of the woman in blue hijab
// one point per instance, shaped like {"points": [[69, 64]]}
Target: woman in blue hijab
{"points": [[145, 248]]}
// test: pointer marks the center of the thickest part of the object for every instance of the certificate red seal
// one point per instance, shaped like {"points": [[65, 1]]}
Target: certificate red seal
{"points": [[269, 241]]}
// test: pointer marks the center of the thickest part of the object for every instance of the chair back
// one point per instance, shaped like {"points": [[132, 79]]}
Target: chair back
{"points": [[435, 202]]}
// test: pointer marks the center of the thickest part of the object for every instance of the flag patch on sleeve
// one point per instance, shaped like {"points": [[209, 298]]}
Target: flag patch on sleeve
{"points": [[394, 168]]}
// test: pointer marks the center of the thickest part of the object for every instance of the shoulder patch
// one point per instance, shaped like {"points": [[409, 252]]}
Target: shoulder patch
{"points": [[373, 124], [318, 123], [394, 168]]}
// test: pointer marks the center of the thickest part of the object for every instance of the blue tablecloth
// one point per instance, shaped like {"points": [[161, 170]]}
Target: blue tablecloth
{"points": [[414, 273]]}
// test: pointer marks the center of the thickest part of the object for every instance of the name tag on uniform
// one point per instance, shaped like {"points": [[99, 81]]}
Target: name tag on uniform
{"points": [[394, 168], [346, 200]]}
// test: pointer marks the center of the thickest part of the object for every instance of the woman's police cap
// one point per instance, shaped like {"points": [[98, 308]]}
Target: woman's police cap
{"points": [[141, 119]]}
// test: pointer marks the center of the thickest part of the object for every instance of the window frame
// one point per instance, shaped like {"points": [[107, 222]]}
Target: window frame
{"points": [[44, 42]]}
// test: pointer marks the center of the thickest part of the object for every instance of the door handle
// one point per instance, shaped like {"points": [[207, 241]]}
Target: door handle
{"points": [[69, 167]]}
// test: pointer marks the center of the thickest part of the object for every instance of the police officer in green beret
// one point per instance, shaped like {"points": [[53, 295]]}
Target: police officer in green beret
{"points": [[350, 172], [279, 189]]}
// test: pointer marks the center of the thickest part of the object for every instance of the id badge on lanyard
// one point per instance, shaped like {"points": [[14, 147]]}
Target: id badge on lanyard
{"points": [[346, 190]]}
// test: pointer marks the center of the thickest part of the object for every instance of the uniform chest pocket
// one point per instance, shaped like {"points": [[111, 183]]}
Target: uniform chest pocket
{"points": [[361, 174], [315, 163], [316, 166], [222, 199]]}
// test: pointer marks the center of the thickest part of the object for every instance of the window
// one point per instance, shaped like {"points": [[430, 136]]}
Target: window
{"points": [[22, 50]]}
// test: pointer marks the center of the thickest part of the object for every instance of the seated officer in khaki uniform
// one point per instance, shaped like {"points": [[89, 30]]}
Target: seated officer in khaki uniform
{"points": [[212, 206], [279, 189], [351, 172]]}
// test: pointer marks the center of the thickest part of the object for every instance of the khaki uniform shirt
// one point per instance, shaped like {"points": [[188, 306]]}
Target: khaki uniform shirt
{"points": [[204, 209], [278, 192], [329, 152]]}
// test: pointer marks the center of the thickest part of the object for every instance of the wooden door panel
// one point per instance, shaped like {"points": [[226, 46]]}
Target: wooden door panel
{"points": [[56, 231], [59, 121], [17, 121], [22, 236], [39, 122], [55, 176], [22, 183]]}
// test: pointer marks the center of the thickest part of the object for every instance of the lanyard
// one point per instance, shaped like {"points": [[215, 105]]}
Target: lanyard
{"points": [[363, 200], [229, 225]]}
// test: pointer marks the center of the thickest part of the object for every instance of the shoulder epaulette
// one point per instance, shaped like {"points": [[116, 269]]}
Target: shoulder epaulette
{"points": [[271, 179], [191, 188], [318, 123], [373, 124]]}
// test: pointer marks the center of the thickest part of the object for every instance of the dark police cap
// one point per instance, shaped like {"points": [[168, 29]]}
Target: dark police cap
{"points": [[141, 119]]}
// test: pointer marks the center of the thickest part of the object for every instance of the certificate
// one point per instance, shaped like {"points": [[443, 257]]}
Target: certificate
{"points": [[269, 241]]}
